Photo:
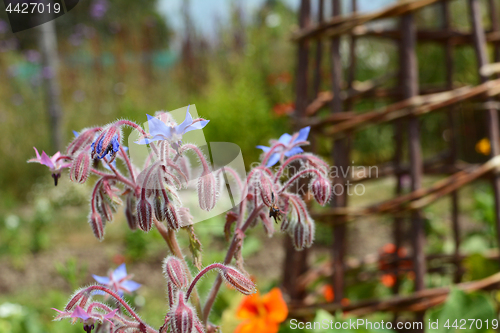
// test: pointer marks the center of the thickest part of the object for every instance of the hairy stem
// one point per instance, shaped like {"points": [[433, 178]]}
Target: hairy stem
{"points": [[100, 173], [120, 177], [202, 159], [128, 163], [229, 256], [315, 161], [119, 300], [297, 176], [200, 274], [131, 124]]}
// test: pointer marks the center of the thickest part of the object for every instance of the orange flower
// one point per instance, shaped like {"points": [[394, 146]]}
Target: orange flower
{"points": [[388, 280], [328, 293], [262, 314], [483, 146]]}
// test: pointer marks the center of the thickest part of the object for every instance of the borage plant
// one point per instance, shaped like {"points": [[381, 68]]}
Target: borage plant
{"points": [[150, 194]]}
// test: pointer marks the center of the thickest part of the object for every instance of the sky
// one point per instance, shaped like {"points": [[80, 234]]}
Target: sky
{"points": [[205, 12]]}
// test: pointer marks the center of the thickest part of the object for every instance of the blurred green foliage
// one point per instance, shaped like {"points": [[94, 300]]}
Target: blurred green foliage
{"points": [[461, 311], [72, 272]]}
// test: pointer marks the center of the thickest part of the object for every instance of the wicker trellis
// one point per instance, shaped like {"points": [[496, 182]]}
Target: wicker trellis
{"points": [[316, 34]]}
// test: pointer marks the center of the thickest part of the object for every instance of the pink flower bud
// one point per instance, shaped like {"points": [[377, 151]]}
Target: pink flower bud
{"points": [[102, 206], [174, 272], [159, 206], [95, 222], [300, 225], [183, 317], [171, 294], [265, 186], [107, 212], [81, 297], [302, 235], [130, 212], [172, 216], [84, 138], [239, 281], [144, 214], [208, 192], [322, 190], [199, 327], [80, 168]]}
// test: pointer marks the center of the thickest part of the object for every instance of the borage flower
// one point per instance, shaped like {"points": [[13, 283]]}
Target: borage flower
{"points": [[55, 163], [262, 314], [107, 142], [170, 131], [118, 281], [286, 146], [88, 318], [100, 150]]}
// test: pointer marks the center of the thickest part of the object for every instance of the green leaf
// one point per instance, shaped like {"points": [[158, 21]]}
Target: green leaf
{"points": [[461, 306]]}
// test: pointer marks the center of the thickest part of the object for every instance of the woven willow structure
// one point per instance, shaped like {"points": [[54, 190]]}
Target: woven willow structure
{"points": [[318, 36]]}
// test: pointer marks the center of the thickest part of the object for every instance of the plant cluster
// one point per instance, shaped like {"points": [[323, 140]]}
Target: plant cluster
{"points": [[150, 195]]}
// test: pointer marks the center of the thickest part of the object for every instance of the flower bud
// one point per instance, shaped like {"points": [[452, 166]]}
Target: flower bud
{"points": [[106, 211], [82, 139], [208, 191], [130, 212], [174, 272], [239, 281], [95, 222], [81, 297], [172, 216], [199, 327], [144, 214], [322, 190], [183, 317], [300, 226], [171, 294], [302, 235], [80, 168], [264, 185], [159, 206]]}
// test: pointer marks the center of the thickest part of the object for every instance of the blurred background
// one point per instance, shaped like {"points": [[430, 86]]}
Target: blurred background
{"points": [[235, 61]]}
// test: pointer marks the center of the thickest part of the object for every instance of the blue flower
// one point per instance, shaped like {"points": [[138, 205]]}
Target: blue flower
{"points": [[110, 150], [286, 146], [118, 281], [172, 133]]}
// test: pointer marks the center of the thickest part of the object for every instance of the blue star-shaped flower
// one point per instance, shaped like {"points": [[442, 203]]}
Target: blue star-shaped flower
{"points": [[172, 133], [288, 146], [118, 281]]}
